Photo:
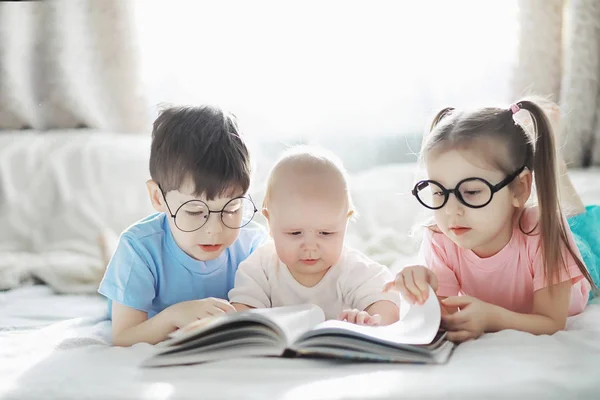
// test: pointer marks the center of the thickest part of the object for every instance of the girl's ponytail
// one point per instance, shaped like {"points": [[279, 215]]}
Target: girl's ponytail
{"points": [[551, 219]]}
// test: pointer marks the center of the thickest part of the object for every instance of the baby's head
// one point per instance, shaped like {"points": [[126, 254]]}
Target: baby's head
{"points": [[489, 158], [199, 165], [308, 204]]}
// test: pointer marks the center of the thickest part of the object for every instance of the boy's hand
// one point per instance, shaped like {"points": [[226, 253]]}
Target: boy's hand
{"points": [[359, 317], [181, 314], [413, 282]]}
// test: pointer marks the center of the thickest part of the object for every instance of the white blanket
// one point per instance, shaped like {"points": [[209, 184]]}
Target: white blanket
{"points": [[72, 359]]}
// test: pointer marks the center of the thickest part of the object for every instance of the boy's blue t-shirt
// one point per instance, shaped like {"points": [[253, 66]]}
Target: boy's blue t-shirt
{"points": [[149, 272]]}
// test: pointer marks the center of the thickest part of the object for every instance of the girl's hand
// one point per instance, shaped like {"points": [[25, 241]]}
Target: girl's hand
{"points": [[413, 283], [471, 321], [358, 317]]}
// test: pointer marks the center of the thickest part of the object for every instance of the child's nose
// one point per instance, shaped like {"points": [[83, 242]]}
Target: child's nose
{"points": [[310, 242], [453, 206], [214, 224]]}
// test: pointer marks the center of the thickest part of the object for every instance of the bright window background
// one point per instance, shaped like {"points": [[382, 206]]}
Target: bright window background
{"points": [[353, 75]]}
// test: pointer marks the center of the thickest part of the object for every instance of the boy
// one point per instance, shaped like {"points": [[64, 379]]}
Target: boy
{"points": [[177, 265]]}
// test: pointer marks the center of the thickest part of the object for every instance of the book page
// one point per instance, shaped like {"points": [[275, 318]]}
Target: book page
{"points": [[287, 323], [294, 320], [419, 325], [256, 332]]}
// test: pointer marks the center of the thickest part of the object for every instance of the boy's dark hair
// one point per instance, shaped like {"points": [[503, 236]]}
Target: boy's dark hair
{"points": [[203, 144]]}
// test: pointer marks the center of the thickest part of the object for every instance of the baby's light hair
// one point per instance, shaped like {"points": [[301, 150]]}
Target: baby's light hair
{"points": [[307, 159]]}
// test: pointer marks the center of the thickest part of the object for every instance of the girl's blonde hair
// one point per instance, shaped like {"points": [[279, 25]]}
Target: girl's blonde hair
{"points": [[457, 129]]}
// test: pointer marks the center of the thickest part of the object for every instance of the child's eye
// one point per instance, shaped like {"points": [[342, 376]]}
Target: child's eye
{"points": [[195, 213], [231, 212], [294, 233], [327, 233], [438, 193], [472, 192]]}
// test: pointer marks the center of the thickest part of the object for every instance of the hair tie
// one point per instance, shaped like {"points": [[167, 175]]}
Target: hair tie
{"points": [[515, 108]]}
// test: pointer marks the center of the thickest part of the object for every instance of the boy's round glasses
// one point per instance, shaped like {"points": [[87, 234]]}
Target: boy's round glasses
{"points": [[472, 192], [194, 214]]}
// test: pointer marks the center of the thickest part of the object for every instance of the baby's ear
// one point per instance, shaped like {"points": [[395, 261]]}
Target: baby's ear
{"points": [[156, 196], [265, 212]]}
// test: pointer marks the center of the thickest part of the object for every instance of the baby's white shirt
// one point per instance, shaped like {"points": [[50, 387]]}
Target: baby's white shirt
{"points": [[263, 281]]}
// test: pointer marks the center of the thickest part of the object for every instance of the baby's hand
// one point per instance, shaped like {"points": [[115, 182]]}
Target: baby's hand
{"points": [[181, 314], [413, 282], [360, 317]]}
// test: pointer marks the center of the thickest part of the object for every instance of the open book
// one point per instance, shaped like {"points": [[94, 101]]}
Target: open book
{"points": [[302, 331]]}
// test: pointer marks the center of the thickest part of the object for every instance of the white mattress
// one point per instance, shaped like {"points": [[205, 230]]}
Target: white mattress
{"points": [[57, 347], [42, 358]]}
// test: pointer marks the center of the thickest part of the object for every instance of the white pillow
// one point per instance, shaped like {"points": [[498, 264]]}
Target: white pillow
{"points": [[60, 191]]}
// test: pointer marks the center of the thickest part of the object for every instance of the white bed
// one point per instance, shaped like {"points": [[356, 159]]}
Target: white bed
{"points": [[57, 346], [41, 357]]}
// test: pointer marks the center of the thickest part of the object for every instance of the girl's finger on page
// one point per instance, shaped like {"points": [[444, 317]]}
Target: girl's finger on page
{"points": [[409, 297], [420, 280], [374, 320], [409, 283], [401, 286]]}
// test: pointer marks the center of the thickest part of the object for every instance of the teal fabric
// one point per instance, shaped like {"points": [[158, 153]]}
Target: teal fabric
{"points": [[586, 230]]}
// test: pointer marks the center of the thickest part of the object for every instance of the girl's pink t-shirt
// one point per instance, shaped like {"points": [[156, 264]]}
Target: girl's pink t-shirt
{"points": [[509, 278]]}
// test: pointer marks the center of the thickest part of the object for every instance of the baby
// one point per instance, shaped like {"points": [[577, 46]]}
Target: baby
{"points": [[307, 205]]}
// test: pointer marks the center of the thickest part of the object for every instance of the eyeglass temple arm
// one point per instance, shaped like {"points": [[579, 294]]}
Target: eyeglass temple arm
{"points": [[164, 196]]}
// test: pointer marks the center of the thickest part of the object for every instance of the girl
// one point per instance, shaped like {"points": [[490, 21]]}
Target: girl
{"points": [[515, 267]]}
